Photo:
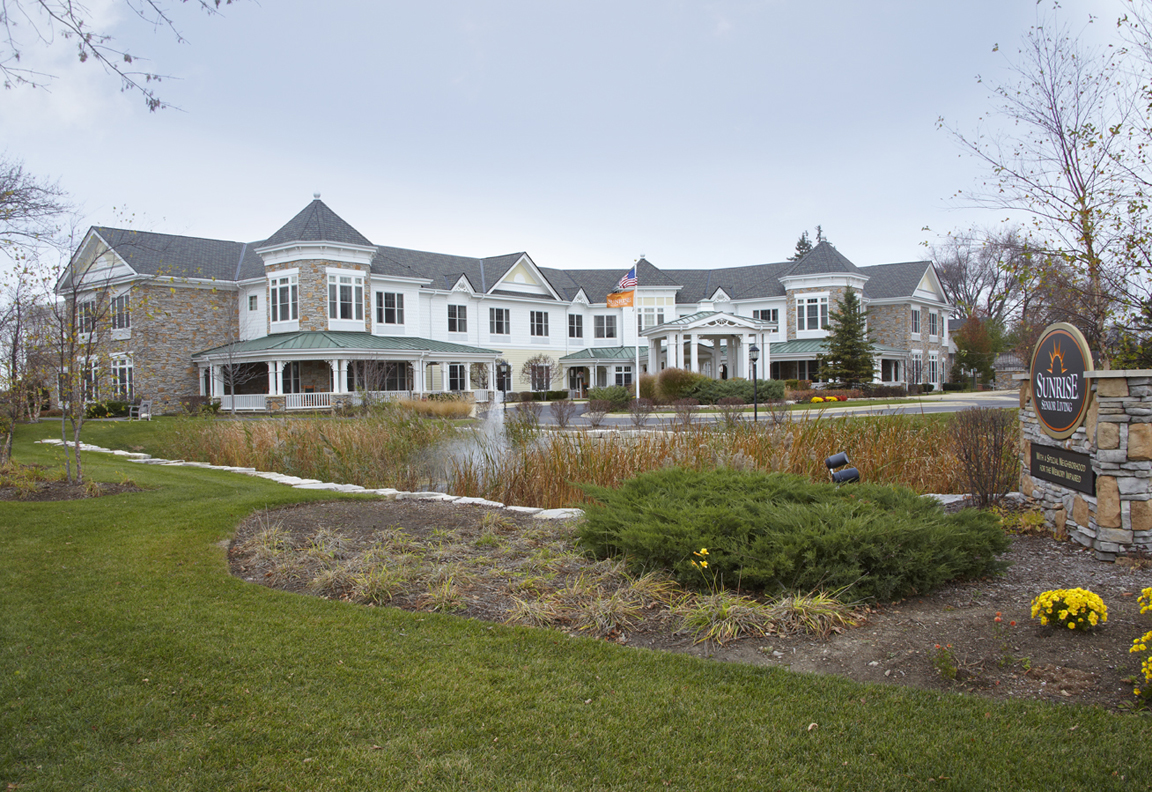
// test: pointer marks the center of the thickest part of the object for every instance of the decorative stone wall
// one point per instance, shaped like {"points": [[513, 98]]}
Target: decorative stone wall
{"points": [[1117, 436], [890, 325]]}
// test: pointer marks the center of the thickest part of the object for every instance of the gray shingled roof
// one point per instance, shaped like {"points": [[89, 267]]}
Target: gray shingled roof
{"points": [[317, 223], [179, 256], [894, 280], [822, 259]]}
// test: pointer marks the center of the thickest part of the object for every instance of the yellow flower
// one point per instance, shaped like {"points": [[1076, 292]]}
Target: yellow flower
{"points": [[703, 564]]}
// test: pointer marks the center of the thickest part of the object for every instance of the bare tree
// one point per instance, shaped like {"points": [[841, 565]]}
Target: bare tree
{"points": [[22, 306], [36, 24], [539, 372], [29, 207], [1066, 165], [984, 272]]}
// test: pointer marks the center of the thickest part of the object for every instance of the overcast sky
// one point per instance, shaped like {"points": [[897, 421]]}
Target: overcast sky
{"points": [[699, 134]]}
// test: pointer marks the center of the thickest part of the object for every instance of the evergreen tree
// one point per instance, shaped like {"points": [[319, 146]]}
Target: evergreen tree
{"points": [[803, 247], [849, 358]]}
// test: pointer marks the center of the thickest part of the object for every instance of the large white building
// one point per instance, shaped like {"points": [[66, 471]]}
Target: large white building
{"points": [[316, 313]]}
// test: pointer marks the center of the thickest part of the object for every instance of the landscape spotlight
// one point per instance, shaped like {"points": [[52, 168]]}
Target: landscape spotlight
{"points": [[846, 476], [836, 460]]}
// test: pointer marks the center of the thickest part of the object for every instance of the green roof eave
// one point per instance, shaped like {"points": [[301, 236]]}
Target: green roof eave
{"points": [[336, 341], [605, 353]]}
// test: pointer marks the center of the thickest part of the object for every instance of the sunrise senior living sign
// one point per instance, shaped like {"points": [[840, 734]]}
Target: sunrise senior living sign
{"points": [[1059, 387]]}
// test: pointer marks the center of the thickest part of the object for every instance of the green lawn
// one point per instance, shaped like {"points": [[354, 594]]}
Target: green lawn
{"points": [[130, 659]]}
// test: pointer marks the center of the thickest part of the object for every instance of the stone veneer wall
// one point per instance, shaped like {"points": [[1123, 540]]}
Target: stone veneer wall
{"points": [[890, 325], [1117, 435], [835, 295], [170, 323]]}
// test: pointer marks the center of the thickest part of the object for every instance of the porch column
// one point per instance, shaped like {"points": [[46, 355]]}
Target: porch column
{"points": [[273, 372], [695, 352], [217, 381], [342, 377], [745, 360], [278, 377], [653, 356], [467, 376], [444, 377], [420, 372]]}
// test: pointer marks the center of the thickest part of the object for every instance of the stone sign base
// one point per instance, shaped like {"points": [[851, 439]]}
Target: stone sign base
{"points": [[1117, 436]]}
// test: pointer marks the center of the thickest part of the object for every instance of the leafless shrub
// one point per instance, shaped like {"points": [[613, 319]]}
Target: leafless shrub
{"points": [[684, 409], [562, 411], [775, 410], [986, 441], [597, 409], [732, 409], [640, 409], [530, 411]]}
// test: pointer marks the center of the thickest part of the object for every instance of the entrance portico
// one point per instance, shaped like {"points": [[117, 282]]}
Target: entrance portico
{"points": [[712, 343]]}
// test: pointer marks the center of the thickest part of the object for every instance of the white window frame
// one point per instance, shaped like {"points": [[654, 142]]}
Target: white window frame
{"points": [[649, 317], [499, 321], [575, 326], [345, 299], [382, 308], [457, 318], [284, 284], [915, 322], [933, 368], [624, 375], [457, 377], [121, 311], [604, 326], [253, 302], [541, 375], [933, 324], [804, 304], [538, 325], [119, 370], [916, 375]]}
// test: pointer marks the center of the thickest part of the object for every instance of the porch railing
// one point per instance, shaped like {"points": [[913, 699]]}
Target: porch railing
{"points": [[243, 401]]}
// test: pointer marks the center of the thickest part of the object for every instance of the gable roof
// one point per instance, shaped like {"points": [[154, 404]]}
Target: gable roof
{"points": [[180, 256], [886, 281], [317, 223]]}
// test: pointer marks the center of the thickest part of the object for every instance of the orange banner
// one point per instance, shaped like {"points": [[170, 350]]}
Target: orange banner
{"points": [[621, 299]]}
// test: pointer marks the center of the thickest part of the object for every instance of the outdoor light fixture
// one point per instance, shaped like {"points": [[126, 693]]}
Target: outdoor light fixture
{"points": [[846, 476], [754, 355], [503, 374]]}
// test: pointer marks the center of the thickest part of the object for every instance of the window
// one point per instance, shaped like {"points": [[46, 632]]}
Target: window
{"points": [[457, 376], [121, 318], [389, 308], [253, 302], [575, 326], [933, 368], [916, 321], [346, 297], [649, 317], [503, 377], [121, 371], [291, 377], [605, 326], [541, 376], [812, 313], [624, 375], [86, 312], [90, 381], [767, 315], [457, 318], [915, 375], [932, 325], [499, 321], [538, 325], [282, 297]]}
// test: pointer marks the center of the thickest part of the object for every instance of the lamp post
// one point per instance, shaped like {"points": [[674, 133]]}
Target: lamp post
{"points": [[503, 372], [754, 355]]}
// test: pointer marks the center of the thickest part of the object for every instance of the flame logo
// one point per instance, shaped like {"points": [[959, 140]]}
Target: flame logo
{"points": [[1057, 354]]}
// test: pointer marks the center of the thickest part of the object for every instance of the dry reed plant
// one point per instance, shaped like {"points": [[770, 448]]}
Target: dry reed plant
{"points": [[903, 450], [451, 409]]}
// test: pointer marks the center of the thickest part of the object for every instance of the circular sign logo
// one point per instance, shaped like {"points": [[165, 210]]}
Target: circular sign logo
{"points": [[1059, 389]]}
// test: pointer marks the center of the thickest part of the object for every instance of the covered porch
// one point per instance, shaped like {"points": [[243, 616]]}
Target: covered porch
{"points": [[799, 359], [321, 370], [600, 367]]}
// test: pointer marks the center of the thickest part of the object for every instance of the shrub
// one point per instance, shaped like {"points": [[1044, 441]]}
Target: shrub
{"points": [[952, 387], [675, 383], [791, 384], [109, 408], [555, 395], [986, 441], [684, 409], [927, 387], [562, 411], [732, 408], [710, 391], [648, 387], [782, 532], [1076, 609], [616, 395], [597, 409], [640, 409], [886, 391]]}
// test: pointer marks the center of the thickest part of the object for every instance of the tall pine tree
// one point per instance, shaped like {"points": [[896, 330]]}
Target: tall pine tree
{"points": [[849, 358], [803, 247]]}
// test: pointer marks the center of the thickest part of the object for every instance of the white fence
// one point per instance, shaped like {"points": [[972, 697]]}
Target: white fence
{"points": [[318, 401], [243, 401]]}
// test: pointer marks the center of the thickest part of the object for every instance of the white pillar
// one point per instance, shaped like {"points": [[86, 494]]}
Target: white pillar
{"points": [[444, 377], [272, 371], [745, 361], [693, 339], [467, 376], [217, 381]]}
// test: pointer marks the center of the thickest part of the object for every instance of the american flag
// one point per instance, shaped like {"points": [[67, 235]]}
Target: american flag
{"points": [[628, 281]]}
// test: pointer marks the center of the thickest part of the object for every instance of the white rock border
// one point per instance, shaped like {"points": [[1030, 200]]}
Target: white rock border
{"points": [[313, 484]]}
